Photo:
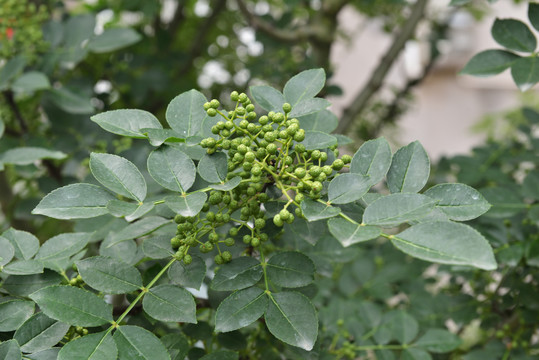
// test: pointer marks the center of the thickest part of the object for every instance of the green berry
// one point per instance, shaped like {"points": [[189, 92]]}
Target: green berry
{"points": [[263, 120], [243, 98], [211, 112], [234, 96], [278, 221], [338, 164], [287, 107], [315, 155], [260, 223], [176, 241], [206, 106], [226, 255], [299, 197], [271, 148], [187, 259], [284, 214], [255, 242], [300, 135], [218, 259], [246, 239], [215, 103], [346, 159], [233, 231]]}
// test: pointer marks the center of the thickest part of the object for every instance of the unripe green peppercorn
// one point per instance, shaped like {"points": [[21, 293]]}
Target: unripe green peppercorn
{"points": [[206, 106], [260, 223], [246, 239], [299, 197], [263, 120], [211, 112], [233, 231], [243, 97], [243, 124], [255, 242], [214, 103], [229, 242], [323, 157], [218, 259], [175, 242], [271, 148], [226, 255], [299, 136], [315, 155], [284, 214], [287, 107], [234, 96], [346, 159], [278, 221], [187, 259], [338, 164]]}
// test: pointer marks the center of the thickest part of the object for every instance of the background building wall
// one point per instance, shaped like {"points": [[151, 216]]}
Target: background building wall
{"points": [[446, 105]]}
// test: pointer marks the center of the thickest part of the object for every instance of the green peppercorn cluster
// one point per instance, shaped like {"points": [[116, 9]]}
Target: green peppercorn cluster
{"points": [[264, 151]]}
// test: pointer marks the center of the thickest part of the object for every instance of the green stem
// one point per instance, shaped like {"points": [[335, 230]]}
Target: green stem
{"points": [[141, 295]]}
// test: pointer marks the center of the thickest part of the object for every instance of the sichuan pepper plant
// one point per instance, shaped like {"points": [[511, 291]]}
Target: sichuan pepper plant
{"points": [[248, 201]]}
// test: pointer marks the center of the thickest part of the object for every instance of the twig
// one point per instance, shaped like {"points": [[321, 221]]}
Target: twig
{"points": [[378, 76], [8, 95], [285, 35]]}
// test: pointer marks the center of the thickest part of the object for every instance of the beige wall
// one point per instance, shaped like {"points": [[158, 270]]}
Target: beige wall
{"points": [[446, 105]]}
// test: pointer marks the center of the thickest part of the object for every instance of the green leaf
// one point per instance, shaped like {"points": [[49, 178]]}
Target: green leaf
{"points": [[309, 106], [158, 247], [40, 332], [70, 102], [347, 188], [458, 2], [304, 85], [109, 275], [119, 175], [29, 155], [514, 35], [127, 122], [415, 354], [31, 81], [170, 303], [438, 341], [318, 140], [227, 186], [505, 202], [301, 229], [446, 243], [24, 285], [136, 343], [525, 72], [157, 137], [290, 269], [191, 275], [75, 201], [372, 159], [268, 98], [458, 201], [73, 305], [395, 209], [137, 229], [9, 350], [113, 39], [185, 113], [172, 169], [23, 267], [238, 274], [7, 251], [122, 250], [176, 344], [291, 318], [120, 208], [410, 169], [11, 68], [324, 121], [489, 62], [240, 309], [2, 128], [221, 355], [349, 234], [55, 253], [14, 312], [213, 168], [398, 325], [98, 346], [530, 185], [25, 244], [533, 15], [314, 210]]}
